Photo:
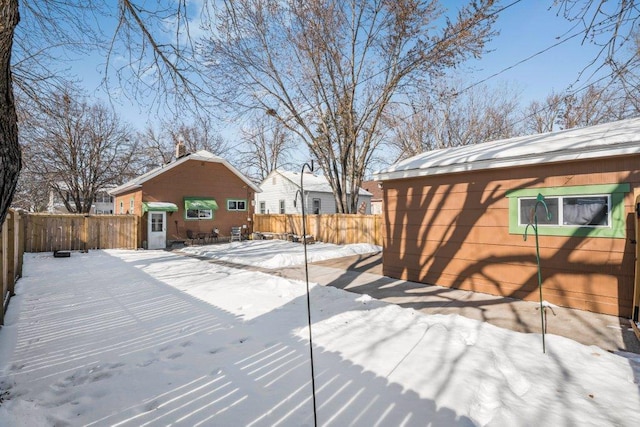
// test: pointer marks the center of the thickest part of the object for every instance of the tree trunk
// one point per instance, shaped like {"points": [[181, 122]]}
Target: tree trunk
{"points": [[10, 159]]}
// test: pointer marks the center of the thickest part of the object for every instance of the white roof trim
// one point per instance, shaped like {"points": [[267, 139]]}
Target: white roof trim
{"points": [[202, 155], [600, 141]]}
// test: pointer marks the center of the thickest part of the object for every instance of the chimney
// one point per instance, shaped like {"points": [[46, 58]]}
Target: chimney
{"points": [[181, 150]]}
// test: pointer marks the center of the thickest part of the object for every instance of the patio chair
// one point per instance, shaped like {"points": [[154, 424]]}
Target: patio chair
{"points": [[214, 235], [195, 237], [236, 234]]}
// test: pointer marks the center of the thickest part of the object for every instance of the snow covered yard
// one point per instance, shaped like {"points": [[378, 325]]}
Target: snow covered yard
{"points": [[137, 338]]}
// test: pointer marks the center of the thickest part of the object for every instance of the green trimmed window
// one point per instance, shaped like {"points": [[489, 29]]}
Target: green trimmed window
{"points": [[199, 208], [588, 210], [236, 205]]}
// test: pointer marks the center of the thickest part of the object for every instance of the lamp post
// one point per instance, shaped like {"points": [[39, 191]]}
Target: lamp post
{"points": [[306, 277]]}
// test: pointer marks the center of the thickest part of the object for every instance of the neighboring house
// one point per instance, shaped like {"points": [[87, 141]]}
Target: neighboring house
{"points": [[375, 188], [280, 195], [456, 217], [102, 204], [198, 192]]}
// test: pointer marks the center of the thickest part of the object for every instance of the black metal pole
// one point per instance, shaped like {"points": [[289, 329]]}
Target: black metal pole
{"points": [[306, 276]]}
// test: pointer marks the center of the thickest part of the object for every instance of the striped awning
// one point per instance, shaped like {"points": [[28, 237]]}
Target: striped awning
{"points": [[193, 203], [159, 206]]}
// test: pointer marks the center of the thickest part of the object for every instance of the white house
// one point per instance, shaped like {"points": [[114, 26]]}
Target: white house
{"points": [[280, 195]]}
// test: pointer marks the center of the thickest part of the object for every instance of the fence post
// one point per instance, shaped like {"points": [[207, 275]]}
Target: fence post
{"points": [[11, 252], [3, 268]]}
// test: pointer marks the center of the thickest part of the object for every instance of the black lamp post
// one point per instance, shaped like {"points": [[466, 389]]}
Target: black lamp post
{"points": [[306, 276]]}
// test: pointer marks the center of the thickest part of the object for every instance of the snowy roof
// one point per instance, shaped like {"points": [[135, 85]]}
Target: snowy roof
{"points": [[202, 155], [600, 141], [316, 183]]}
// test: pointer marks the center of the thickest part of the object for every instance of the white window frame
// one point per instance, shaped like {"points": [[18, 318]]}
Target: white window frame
{"points": [[263, 207], [282, 208], [542, 222], [199, 214], [233, 205]]}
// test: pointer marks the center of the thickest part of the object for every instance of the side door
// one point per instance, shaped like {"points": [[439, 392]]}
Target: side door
{"points": [[157, 230]]}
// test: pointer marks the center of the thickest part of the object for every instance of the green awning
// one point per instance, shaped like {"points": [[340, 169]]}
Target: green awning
{"points": [[159, 206], [200, 204]]}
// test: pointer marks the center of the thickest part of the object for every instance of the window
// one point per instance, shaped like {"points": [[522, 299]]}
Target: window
{"points": [[589, 210], [236, 205], [131, 206], [156, 222], [263, 207], [199, 214], [196, 208], [586, 211], [281, 206], [121, 207], [316, 206]]}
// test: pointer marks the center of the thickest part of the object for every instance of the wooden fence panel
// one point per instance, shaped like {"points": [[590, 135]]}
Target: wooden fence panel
{"points": [[71, 232], [11, 251], [330, 228]]}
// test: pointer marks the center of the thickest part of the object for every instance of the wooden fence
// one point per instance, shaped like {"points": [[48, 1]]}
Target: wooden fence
{"points": [[48, 232], [330, 228], [11, 251]]}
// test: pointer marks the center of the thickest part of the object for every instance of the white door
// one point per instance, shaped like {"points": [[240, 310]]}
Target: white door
{"points": [[157, 230]]}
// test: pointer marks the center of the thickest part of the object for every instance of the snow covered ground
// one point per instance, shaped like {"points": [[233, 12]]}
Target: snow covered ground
{"points": [[133, 338]]}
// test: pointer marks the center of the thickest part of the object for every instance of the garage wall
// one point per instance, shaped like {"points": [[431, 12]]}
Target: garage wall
{"points": [[453, 230]]}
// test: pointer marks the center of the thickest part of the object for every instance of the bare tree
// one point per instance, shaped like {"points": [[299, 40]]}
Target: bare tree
{"points": [[328, 70], [592, 106], [266, 147], [158, 146], [450, 118], [10, 159], [76, 148], [152, 38], [612, 26], [542, 116]]}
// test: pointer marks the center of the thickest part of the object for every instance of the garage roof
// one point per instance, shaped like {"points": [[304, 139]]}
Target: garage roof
{"points": [[600, 141]]}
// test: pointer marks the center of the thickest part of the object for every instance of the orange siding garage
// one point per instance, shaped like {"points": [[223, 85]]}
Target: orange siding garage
{"points": [[456, 217]]}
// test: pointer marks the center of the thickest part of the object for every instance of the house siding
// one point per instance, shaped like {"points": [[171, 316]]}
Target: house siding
{"points": [[453, 230], [285, 189], [272, 193], [194, 178]]}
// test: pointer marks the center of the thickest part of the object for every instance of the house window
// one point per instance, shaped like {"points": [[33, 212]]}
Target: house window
{"points": [[236, 205], [590, 210], [131, 206], [316, 206], [263, 207], [281, 206], [121, 207], [197, 208]]}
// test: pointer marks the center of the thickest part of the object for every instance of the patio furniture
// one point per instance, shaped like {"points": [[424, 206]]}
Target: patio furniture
{"points": [[236, 234], [196, 237], [213, 235]]}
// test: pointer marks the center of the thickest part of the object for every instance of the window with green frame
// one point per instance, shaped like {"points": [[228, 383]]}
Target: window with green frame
{"points": [[585, 210]]}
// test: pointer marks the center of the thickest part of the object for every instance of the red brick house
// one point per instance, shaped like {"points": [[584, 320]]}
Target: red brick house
{"points": [[194, 194]]}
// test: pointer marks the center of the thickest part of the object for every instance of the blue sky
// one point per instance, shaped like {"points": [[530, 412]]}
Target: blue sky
{"points": [[525, 28]]}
